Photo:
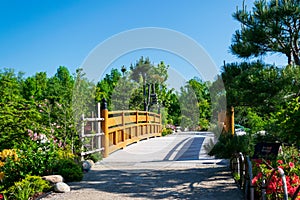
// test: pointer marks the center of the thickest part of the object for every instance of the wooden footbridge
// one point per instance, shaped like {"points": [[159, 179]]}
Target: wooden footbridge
{"points": [[113, 130], [109, 131]]}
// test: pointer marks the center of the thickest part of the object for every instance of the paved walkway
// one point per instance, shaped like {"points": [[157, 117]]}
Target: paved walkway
{"points": [[172, 167]]}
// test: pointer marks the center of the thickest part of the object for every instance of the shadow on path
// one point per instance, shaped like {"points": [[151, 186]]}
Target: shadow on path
{"points": [[190, 150], [163, 184]]}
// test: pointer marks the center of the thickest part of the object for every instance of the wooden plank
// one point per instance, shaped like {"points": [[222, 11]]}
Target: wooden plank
{"points": [[114, 121], [121, 111], [90, 152], [142, 118], [93, 119], [129, 119], [92, 135]]}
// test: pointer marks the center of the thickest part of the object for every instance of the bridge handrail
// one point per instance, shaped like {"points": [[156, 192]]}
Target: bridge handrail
{"points": [[125, 127]]}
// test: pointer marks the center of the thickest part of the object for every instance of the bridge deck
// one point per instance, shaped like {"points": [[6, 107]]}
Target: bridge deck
{"points": [[184, 149]]}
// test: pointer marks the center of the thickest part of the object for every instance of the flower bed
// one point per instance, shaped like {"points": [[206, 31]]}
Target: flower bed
{"points": [[269, 171]]}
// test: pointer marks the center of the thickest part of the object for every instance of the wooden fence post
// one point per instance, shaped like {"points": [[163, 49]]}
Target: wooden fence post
{"points": [[232, 120], [160, 125], [104, 126], [82, 137], [123, 136], [99, 145], [137, 121]]}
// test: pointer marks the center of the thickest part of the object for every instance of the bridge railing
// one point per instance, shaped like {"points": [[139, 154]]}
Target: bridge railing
{"points": [[122, 128]]}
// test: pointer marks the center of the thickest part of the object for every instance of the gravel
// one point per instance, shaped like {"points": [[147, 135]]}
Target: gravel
{"points": [[204, 182]]}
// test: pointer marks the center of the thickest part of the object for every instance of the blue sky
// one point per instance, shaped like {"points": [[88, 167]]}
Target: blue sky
{"points": [[40, 35]]}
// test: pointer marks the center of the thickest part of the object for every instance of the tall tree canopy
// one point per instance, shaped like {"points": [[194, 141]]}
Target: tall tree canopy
{"points": [[273, 26]]}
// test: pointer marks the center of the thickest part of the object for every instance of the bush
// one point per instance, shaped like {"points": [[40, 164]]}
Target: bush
{"points": [[31, 159], [204, 124], [27, 188], [166, 131], [289, 161], [95, 157], [229, 144], [69, 170]]}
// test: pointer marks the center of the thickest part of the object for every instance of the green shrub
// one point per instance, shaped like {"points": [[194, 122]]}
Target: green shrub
{"points": [[228, 145], [33, 159], [166, 131], [94, 157], [70, 171], [27, 188], [204, 124]]}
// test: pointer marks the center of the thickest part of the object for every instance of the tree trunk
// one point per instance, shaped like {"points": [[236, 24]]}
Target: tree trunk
{"points": [[290, 61], [296, 59]]}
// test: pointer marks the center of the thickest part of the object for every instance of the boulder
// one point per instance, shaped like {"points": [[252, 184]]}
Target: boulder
{"points": [[53, 178], [91, 162], [86, 166], [62, 187]]}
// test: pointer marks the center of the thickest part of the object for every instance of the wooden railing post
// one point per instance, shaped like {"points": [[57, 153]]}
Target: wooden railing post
{"points": [[82, 137], [137, 121], [123, 137], [104, 126], [98, 143], [160, 124], [232, 120], [147, 123]]}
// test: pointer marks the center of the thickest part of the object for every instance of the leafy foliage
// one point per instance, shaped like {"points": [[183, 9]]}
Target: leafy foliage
{"points": [[195, 105], [272, 26], [229, 144], [285, 126], [27, 188], [70, 170], [95, 157], [289, 162], [167, 131], [265, 98], [32, 158]]}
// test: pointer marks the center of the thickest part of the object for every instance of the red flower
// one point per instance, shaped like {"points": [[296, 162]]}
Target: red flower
{"points": [[291, 191], [271, 188], [291, 165], [280, 162], [1, 197], [256, 178], [295, 180], [280, 167], [257, 162]]}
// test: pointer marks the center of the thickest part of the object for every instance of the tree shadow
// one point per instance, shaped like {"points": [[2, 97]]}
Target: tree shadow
{"points": [[193, 183]]}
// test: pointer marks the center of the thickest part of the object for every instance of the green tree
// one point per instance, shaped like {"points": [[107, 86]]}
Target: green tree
{"points": [[148, 76], [35, 86], [285, 122], [106, 86], [141, 73], [271, 27], [10, 85], [17, 115], [171, 103], [122, 94], [252, 85], [204, 101], [60, 86], [189, 107]]}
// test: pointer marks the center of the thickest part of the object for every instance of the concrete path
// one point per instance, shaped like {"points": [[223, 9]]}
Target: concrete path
{"points": [[183, 149], [171, 167]]}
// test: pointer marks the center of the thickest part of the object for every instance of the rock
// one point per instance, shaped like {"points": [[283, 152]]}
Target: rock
{"points": [[91, 162], [86, 166], [61, 187], [53, 178]]}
